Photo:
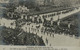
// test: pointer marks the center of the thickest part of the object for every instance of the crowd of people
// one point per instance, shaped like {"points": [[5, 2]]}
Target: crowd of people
{"points": [[39, 24]]}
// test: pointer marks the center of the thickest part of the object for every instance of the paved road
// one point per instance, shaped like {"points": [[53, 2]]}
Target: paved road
{"points": [[61, 16]]}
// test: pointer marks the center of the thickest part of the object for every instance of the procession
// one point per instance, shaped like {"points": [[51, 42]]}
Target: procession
{"points": [[23, 26]]}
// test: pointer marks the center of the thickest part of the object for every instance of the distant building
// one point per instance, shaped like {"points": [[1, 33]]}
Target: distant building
{"points": [[22, 9], [13, 1], [4, 1], [48, 2], [44, 2], [39, 2]]}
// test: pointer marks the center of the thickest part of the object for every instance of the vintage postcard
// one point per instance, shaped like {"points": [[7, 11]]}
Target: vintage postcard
{"points": [[40, 24]]}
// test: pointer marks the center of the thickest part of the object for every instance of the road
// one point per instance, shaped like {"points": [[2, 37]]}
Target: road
{"points": [[61, 16]]}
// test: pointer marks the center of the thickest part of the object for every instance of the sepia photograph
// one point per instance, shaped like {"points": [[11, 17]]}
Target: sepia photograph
{"points": [[40, 23]]}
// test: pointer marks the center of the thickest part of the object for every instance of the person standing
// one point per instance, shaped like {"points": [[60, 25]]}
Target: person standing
{"points": [[47, 41]]}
